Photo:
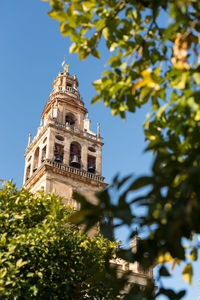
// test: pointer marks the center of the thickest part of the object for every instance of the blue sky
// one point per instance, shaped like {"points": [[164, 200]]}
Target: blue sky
{"points": [[32, 50]]}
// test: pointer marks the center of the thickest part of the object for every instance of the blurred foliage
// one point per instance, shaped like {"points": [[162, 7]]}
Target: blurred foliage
{"points": [[43, 256], [155, 58]]}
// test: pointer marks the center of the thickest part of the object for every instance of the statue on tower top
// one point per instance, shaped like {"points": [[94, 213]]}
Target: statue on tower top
{"points": [[65, 65]]}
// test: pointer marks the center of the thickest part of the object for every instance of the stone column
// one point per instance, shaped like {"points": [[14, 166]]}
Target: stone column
{"points": [[31, 162], [98, 161], [64, 83], [26, 165], [84, 156], [66, 150], [40, 156], [50, 144], [59, 84], [29, 139]]}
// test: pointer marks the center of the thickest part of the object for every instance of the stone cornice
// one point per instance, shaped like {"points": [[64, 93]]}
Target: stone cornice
{"points": [[75, 102], [66, 171]]}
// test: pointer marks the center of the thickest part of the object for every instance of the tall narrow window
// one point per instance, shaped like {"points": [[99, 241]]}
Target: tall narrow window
{"points": [[75, 155], [43, 156], [28, 171], [36, 159], [70, 119], [91, 164], [58, 153]]}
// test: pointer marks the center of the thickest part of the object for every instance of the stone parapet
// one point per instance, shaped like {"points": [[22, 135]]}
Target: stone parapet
{"points": [[68, 171], [79, 172], [76, 131]]}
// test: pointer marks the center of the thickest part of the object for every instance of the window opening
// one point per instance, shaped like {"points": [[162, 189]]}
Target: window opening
{"points": [[70, 119], [91, 164], [75, 155], [43, 156], [92, 149], [60, 138], [36, 159], [58, 153], [28, 171]]}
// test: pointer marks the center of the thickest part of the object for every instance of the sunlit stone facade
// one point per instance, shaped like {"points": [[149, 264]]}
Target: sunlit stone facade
{"points": [[65, 155]]}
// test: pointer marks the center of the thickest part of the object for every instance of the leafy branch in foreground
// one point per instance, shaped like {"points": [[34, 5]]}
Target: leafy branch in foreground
{"points": [[155, 58], [43, 256]]}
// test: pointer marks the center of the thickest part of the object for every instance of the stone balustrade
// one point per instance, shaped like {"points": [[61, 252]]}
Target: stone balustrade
{"points": [[76, 130], [73, 170], [66, 90]]}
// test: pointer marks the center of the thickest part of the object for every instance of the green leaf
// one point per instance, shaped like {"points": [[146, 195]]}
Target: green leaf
{"points": [[73, 48], [194, 254], [20, 263], [3, 239], [105, 33], [188, 273], [163, 271], [113, 46], [141, 182], [95, 52], [99, 23]]}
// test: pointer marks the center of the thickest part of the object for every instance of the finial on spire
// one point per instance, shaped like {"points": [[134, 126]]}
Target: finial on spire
{"points": [[65, 65], [98, 130], [29, 139]]}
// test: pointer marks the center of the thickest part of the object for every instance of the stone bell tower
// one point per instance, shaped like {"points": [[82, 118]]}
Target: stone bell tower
{"points": [[65, 155]]}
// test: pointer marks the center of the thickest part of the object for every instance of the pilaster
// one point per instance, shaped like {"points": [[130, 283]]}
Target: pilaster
{"points": [[50, 144], [67, 151], [84, 156], [31, 162], [40, 156], [64, 83], [99, 162]]}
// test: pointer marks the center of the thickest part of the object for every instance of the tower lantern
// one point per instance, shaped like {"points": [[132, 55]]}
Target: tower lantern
{"points": [[65, 155]]}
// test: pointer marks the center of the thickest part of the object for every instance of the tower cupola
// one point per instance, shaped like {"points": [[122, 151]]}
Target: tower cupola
{"points": [[66, 82]]}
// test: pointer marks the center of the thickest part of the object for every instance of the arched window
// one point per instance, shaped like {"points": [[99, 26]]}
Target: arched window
{"points": [[43, 156], [91, 164], [75, 155], [36, 159], [28, 171], [70, 119], [69, 84], [58, 152]]}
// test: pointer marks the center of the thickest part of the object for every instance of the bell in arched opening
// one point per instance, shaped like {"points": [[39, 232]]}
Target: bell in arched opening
{"points": [[75, 155], [58, 153], [70, 119], [75, 162], [91, 164]]}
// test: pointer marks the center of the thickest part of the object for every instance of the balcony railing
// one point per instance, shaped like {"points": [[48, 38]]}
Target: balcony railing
{"points": [[66, 90], [76, 171], [75, 130]]}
